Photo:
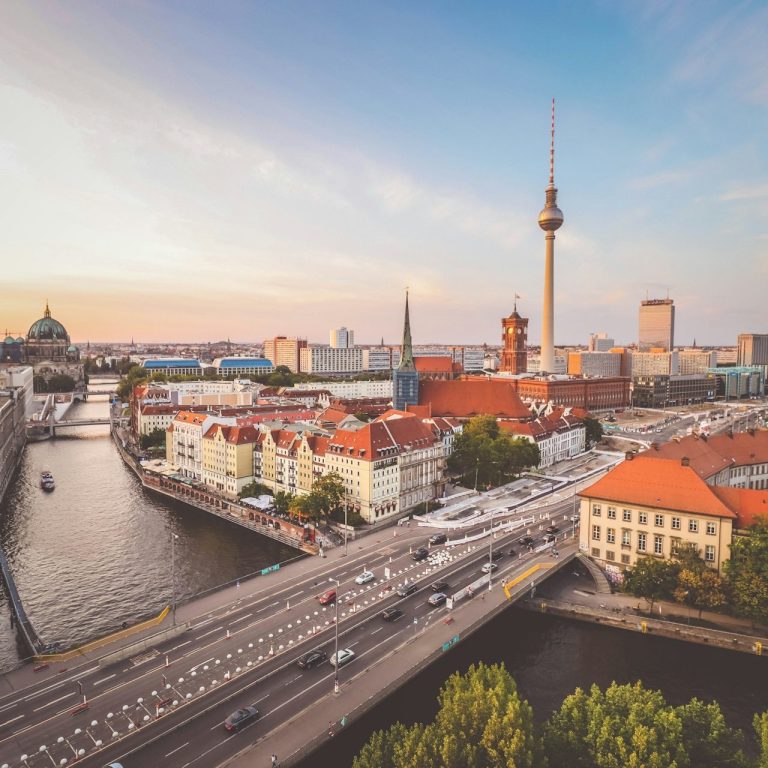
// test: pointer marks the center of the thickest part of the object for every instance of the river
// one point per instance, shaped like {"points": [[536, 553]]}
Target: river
{"points": [[97, 551]]}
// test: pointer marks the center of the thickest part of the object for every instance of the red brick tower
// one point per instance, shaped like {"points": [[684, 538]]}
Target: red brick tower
{"points": [[514, 356]]}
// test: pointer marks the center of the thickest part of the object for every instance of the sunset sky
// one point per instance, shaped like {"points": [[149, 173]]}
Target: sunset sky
{"points": [[194, 171]]}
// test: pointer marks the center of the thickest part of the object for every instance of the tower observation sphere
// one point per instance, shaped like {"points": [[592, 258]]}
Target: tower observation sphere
{"points": [[551, 218]]}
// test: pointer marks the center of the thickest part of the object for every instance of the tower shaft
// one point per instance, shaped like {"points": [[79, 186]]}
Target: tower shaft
{"points": [[548, 314]]}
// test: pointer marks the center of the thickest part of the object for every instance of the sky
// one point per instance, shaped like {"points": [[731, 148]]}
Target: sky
{"points": [[194, 171]]}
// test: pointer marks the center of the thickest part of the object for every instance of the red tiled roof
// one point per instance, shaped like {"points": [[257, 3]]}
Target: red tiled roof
{"points": [[748, 504], [472, 397], [660, 484], [191, 418], [433, 364]]}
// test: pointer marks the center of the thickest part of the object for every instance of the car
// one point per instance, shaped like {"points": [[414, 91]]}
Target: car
{"points": [[488, 567], [345, 655], [365, 577], [437, 599], [497, 554], [552, 529], [240, 718], [420, 554], [438, 538], [312, 659], [327, 598], [439, 586], [549, 538], [512, 552], [391, 614], [406, 589], [526, 541]]}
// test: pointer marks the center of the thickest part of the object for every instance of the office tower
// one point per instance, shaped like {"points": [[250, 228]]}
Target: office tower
{"points": [[657, 324], [342, 338]]}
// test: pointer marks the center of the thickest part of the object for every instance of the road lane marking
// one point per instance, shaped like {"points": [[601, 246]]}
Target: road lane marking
{"points": [[202, 623], [8, 706], [176, 647], [55, 701], [377, 630], [242, 618], [290, 597], [177, 749], [209, 632], [8, 722], [104, 679], [192, 669]]}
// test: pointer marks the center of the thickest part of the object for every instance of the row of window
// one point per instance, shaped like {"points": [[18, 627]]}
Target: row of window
{"points": [[643, 541], [659, 520]]}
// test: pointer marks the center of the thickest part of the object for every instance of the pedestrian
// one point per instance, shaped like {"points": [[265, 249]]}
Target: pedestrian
{"points": [[274, 761], [330, 729]]}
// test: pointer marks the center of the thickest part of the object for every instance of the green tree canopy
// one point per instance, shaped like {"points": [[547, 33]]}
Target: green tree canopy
{"points": [[594, 430], [747, 573], [760, 723], [155, 439], [652, 578]]}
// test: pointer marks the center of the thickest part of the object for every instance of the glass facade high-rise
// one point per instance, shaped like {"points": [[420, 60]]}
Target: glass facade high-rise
{"points": [[657, 324]]}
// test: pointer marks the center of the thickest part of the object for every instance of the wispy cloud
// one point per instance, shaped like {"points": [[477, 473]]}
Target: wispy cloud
{"points": [[746, 192]]}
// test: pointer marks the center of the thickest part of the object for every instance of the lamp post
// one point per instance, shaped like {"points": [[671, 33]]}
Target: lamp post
{"points": [[345, 523], [336, 636], [477, 467], [490, 556], [173, 576]]}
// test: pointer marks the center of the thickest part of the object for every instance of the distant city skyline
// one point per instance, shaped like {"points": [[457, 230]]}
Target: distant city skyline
{"points": [[182, 173]]}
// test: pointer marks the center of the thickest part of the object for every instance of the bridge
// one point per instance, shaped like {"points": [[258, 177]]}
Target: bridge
{"points": [[50, 425], [161, 699]]}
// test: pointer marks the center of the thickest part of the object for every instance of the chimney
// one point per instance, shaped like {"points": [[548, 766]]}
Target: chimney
{"points": [[685, 462], [629, 455]]}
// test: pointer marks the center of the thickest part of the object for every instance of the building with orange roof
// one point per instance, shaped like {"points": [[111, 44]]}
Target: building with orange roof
{"points": [[228, 457], [649, 507], [559, 436], [473, 396], [184, 440], [437, 368]]}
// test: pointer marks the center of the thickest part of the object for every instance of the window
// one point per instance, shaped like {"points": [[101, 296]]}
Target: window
{"points": [[641, 542], [626, 538], [658, 545], [595, 552], [709, 553], [642, 518], [693, 526], [674, 545], [596, 510], [610, 535], [611, 513], [596, 533], [675, 523], [626, 515], [711, 529], [625, 559], [610, 555], [658, 521]]}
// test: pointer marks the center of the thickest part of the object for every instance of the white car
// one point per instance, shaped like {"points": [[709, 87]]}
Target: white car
{"points": [[488, 567], [345, 656], [365, 577]]}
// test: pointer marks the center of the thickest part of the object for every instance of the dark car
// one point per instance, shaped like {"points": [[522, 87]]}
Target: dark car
{"points": [[406, 589], [438, 538], [549, 538], [437, 599], [327, 598], [420, 554], [241, 718], [526, 541], [552, 529], [391, 614], [439, 586], [312, 659], [497, 554], [512, 552]]}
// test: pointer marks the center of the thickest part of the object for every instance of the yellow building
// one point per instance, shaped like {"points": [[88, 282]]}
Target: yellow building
{"points": [[228, 457]]}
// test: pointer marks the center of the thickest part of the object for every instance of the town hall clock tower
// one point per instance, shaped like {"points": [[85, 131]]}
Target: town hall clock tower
{"points": [[514, 355]]}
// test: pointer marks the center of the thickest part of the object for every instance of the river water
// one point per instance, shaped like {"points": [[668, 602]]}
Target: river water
{"points": [[97, 551]]}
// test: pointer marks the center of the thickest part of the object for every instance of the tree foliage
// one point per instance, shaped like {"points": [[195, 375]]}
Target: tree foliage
{"points": [[255, 489], [155, 439], [594, 430], [652, 579], [697, 584], [747, 573], [760, 723], [485, 455]]}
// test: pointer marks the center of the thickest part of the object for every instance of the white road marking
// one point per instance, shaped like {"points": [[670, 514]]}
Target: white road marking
{"points": [[8, 722], [8, 706], [176, 647], [104, 679], [55, 701], [296, 595], [177, 749], [202, 623], [242, 618], [209, 632], [377, 630], [192, 669]]}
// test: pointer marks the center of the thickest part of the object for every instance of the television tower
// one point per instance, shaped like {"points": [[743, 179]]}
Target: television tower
{"points": [[550, 219]]}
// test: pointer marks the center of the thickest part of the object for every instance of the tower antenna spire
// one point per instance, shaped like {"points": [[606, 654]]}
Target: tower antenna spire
{"points": [[552, 148]]}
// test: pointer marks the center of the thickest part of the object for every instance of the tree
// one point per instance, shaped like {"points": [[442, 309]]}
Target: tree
{"points": [[255, 489], [481, 723], [594, 430], [651, 579], [760, 723], [155, 439], [626, 725], [282, 502], [697, 584], [60, 382], [708, 740], [747, 573]]}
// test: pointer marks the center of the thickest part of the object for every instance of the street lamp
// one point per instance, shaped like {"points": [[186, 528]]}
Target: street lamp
{"points": [[490, 556], [336, 638], [345, 523], [174, 536], [477, 467]]}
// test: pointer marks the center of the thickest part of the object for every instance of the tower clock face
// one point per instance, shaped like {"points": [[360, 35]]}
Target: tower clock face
{"points": [[510, 330], [519, 330]]}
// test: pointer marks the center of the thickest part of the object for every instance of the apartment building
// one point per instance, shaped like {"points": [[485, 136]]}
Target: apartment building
{"points": [[318, 360], [228, 457]]}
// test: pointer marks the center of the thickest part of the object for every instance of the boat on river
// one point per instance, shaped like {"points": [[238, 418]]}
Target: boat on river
{"points": [[47, 482]]}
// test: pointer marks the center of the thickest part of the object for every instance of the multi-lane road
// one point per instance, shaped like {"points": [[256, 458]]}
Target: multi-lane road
{"points": [[166, 706]]}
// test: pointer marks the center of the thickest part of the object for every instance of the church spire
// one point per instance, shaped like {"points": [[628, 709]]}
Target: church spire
{"points": [[406, 353], [47, 312]]}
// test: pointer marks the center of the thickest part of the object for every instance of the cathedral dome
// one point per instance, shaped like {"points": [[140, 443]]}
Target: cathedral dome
{"points": [[47, 329]]}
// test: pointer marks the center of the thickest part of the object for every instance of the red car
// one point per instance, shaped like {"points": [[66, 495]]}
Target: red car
{"points": [[327, 598]]}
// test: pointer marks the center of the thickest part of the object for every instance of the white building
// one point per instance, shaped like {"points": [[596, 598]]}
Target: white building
{"points": [[319, 360], [350, 389], [696, 360], [561, 363], [600, 342], [184, 441], [655, 364]]}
